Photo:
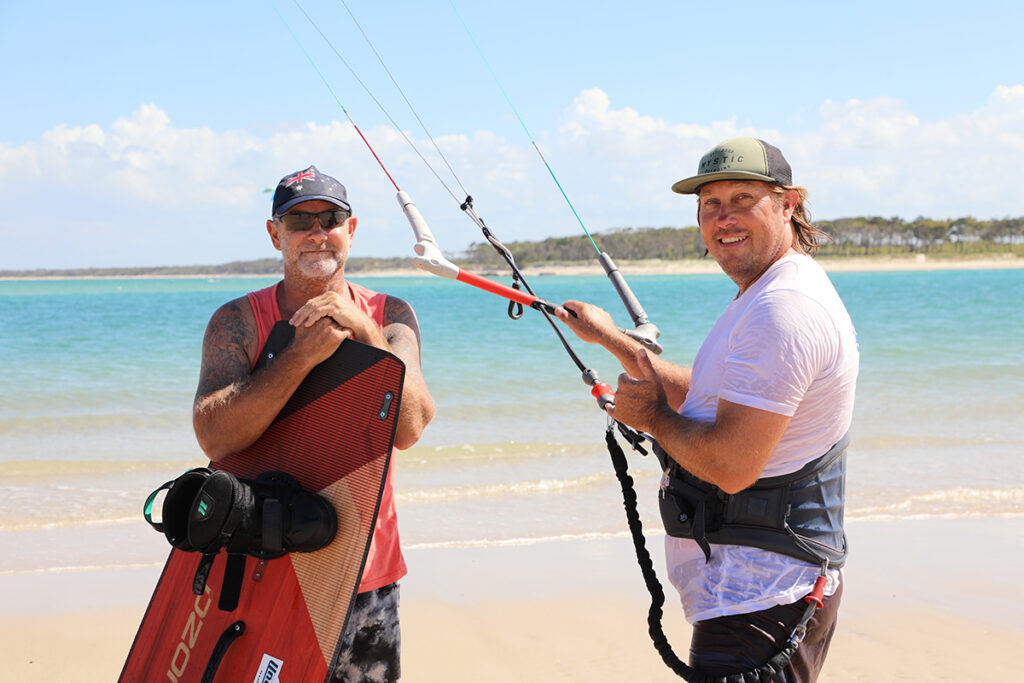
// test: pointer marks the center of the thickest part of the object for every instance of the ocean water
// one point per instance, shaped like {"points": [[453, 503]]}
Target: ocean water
{"points": [[98, 378]]}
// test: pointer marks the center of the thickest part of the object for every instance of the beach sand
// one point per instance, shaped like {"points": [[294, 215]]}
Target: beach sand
{"points": [[925, 600]]}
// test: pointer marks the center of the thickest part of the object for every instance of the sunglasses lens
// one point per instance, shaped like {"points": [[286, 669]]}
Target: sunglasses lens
{"points": [[328, 219], [304, 221], [297, 221]]}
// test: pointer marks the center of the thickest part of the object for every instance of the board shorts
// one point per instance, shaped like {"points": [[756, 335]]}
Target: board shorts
{"points": [[370, 649], [741, 642]]}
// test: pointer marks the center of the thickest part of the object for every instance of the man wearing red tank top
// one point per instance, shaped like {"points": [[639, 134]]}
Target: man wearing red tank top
{"points": [[313, 227]]}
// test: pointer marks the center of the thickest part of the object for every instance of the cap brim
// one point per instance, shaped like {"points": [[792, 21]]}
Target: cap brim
{"points": [[311, 198], [692, 184]]}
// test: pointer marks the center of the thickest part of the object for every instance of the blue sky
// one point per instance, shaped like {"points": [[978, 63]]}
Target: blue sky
{"points": [[146, 133]]}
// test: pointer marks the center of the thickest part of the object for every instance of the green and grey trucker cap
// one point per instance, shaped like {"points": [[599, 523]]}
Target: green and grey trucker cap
{"points": [[739, 159]]}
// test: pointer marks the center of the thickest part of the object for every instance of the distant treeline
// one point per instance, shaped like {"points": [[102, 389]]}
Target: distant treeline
{"points": [[261, 267], [850, 237], [267, 266], [873, 236]]}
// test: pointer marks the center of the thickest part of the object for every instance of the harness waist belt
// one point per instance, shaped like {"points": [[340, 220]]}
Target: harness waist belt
{"points": [[798, 514]]}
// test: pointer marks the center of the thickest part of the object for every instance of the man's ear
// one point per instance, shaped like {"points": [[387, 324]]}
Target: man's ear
{"points": [[789, 203], [272, 230], [352, 225]]}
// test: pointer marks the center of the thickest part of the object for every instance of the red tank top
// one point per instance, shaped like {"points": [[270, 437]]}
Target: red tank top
{"points": [[384, 562]]}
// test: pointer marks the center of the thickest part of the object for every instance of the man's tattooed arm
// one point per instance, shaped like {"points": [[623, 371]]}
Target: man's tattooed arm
{"points": [[402, 332]]}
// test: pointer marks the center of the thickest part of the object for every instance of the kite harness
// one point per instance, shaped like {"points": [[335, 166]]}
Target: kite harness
{"points": [[814, 600], [798, 514]]}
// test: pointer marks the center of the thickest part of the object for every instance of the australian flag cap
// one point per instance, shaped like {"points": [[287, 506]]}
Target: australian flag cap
{"points": [[308, 185]]}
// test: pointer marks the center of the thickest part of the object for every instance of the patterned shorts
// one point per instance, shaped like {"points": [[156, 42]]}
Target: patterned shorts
{"points": [[371, 644]]}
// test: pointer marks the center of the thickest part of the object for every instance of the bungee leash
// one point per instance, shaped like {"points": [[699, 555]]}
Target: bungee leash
{"points": [[773, 666]]}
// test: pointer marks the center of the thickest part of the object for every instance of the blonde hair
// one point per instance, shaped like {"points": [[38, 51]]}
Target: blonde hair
{"points": [[808, 235]]}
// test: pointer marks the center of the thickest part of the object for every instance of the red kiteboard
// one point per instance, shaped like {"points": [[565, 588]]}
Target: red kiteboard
{"points": [[334, 436]]}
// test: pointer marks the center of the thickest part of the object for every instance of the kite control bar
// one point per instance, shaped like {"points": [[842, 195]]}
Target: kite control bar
{"points": [[646, 332], [429, 258]]}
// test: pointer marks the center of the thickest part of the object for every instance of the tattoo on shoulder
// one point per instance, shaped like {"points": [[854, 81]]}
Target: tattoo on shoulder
{"points": [[398, 311], [401, 328], [225, 358]]}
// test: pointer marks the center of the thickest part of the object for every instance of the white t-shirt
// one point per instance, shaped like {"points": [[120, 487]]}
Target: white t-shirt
{"points": [[788, 346]]}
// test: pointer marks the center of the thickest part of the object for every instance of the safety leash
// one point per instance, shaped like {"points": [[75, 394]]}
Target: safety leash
{"points": [[772, 667]]}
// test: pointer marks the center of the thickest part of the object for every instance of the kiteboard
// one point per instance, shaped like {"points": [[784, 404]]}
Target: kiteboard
{"points": [[334, 436]]}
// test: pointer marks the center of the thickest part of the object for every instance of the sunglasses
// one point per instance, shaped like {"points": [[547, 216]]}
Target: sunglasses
{"points": [[300, 221]]}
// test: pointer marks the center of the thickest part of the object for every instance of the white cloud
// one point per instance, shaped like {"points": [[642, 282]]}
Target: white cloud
{"points": [[876, 157], [864, 157], [144, 192], [143, 157]]}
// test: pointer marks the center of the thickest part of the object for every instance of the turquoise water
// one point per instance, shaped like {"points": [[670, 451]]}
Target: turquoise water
{"points": [[96, 393]]}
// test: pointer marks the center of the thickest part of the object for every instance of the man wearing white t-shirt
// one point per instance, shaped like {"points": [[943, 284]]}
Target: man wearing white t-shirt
{"points": [[770, 394]]}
